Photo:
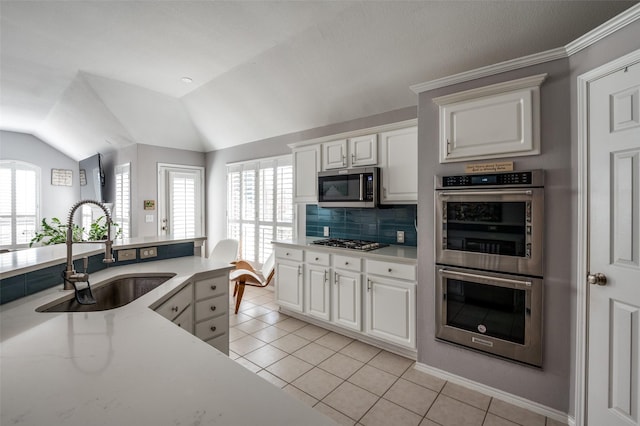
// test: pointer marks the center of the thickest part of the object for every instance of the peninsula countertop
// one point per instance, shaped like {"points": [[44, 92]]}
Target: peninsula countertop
{"points": [[129, 365]]}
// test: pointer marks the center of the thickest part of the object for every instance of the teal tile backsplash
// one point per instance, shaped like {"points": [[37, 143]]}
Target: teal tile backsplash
{"points": [[379, 224]]}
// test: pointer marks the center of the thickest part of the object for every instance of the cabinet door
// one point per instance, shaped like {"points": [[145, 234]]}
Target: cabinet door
{"points": [[391, 310], [317, 292], [334, 154], [306, 163], [399, 166], [363, 150], [289, 285], [347, 299]]}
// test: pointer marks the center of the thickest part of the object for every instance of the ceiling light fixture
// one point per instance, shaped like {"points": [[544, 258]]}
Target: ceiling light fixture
{"points": [[186, 80]]}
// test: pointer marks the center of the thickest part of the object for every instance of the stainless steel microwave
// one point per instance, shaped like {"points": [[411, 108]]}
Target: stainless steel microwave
{"points": [[357, 187]]}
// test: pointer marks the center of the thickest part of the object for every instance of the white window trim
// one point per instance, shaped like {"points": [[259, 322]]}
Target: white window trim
{"points": [[25, 166]]}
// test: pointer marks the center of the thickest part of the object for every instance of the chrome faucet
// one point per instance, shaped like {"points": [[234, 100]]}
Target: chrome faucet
{"points": [[70, 274]]}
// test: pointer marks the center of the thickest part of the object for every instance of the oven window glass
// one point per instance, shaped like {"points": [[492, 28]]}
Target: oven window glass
{"points": [[486, 309], [340, 188], [487, 227]]}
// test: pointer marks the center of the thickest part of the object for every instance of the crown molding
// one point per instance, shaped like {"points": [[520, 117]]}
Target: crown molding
{"points": [[611, 26], [494, 89], [616, 23]]}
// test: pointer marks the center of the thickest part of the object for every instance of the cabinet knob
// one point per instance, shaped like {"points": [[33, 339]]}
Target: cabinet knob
{"points": [[213, 308], [174, 309], [317, 258], [389, 269], [213, 328], [287, 254], [346, 263], [213, 287], [179, 325]]}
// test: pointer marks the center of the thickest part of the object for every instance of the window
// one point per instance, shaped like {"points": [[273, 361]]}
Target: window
{"points": [[19, 203], [122, 205], [260, 205]]}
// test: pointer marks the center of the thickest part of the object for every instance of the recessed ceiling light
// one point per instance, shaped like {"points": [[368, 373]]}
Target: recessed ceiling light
{"points": [[186, 80]]}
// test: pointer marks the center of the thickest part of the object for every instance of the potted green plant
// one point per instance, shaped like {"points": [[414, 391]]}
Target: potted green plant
{"points": [[98, 230], [56, 232]]}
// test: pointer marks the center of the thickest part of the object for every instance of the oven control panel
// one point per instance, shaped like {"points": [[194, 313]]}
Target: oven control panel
{"points": [[528, 178]]}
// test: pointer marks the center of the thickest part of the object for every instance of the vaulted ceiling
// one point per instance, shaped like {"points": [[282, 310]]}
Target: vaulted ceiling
{"points": [[92, 76]]}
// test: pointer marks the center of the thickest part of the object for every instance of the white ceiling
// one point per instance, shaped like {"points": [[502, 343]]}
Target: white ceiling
{"points": [[90, 76]]}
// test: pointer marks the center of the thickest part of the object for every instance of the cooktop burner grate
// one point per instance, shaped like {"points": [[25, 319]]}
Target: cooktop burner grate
{"points": [[350, 244]]}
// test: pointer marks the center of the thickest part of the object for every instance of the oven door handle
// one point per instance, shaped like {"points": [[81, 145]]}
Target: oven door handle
{"points": [[484, 277], [508, 192]]}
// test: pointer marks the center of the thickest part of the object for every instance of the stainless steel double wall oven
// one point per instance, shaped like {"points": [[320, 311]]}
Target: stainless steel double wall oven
{"points": [[489, 262]]}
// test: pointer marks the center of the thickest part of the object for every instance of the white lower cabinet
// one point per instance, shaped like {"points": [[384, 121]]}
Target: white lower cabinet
{"points": [[332, 287], [317, 292], [391, 310], [347, 299], [202, 308], [289, 267]]}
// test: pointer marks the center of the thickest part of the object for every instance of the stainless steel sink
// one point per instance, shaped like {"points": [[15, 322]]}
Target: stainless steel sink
{"points": [[113, 293]]}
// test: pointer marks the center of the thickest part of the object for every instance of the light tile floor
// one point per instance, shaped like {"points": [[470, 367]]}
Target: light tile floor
{"points": [[353, 382]]}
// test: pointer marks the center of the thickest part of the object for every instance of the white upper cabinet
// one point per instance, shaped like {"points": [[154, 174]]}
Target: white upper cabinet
{"points": [[501, 120], [358, 151], [306, 163], [363, 150], [334, 154], [399, 162]]}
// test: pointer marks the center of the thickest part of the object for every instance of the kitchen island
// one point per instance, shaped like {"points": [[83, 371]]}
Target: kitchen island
{"points": [[128, 365]]}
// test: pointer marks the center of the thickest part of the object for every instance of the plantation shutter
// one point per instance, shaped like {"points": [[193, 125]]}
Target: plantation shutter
{"points": [[122, 208]]}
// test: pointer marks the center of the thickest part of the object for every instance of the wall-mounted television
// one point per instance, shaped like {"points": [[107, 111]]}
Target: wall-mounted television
{"points": [[92, 178]]}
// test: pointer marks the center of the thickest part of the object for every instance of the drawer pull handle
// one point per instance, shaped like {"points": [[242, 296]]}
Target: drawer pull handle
{"points": [[175, 309], [213, 287], [213, 308], [214, 328]]}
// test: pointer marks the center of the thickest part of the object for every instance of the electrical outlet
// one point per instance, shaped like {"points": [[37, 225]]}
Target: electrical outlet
{"points": [[148, 252], [326, 231], [400, 237]]}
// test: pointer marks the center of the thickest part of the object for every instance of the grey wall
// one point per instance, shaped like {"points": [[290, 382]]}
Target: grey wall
{"points": [[216, 183], [144, 180], [550, 385], [55, 200]]}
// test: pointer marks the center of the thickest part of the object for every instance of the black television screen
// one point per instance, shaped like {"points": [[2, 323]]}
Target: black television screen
{"points": [[91, 178]]}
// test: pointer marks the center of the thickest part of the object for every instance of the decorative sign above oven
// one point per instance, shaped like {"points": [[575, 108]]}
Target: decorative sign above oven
{"points": [[503, 166]]}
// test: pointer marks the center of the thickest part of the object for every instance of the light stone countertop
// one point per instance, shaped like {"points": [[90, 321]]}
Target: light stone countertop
{"points": [[129, 365], [393, 253], [27, 260]]}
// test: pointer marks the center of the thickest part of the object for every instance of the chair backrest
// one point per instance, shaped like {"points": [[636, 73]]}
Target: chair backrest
{"points": [[225, 251], [269, 266]]}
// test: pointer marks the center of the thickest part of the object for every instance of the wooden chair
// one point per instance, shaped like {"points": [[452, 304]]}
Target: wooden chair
{"points": [[245, 274]]}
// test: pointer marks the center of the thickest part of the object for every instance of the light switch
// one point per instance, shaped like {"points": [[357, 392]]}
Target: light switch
{"points": [[148, 218]]}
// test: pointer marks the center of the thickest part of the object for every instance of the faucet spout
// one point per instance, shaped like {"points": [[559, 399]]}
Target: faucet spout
{"points": [[70, 274]]}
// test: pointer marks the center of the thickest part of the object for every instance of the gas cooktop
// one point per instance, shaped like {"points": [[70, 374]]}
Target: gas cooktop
{"points": [[350, 244]]}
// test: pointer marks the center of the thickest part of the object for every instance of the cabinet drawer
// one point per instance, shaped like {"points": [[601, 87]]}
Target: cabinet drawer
{"points": [[221, 343], [185, 319], [348, 263], [210, 307], [318, 258], [211, 287], [213, 327], [289, 253], [391, 269], [176, 304]]}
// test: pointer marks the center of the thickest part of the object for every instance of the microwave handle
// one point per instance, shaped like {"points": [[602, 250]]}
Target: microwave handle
{"points": [[456, 274], [511, 192], [361, 187]]}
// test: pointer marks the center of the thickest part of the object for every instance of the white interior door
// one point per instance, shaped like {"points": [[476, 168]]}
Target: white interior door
{"points": [[614, 249]]}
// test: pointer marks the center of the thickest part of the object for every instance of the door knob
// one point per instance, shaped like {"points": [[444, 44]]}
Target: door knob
{"points": [[597, 278]]}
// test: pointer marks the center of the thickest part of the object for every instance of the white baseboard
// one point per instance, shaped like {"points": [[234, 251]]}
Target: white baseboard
{"points": [[552, 413]]}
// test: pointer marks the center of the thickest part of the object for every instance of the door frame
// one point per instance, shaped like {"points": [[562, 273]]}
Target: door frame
{"points": [[582, 269], [162, 168]]}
